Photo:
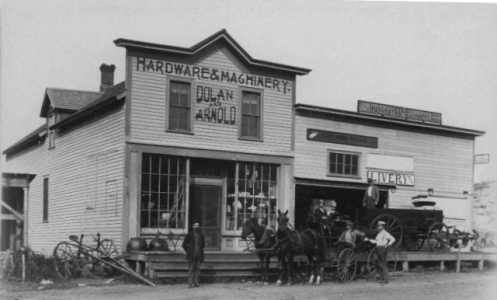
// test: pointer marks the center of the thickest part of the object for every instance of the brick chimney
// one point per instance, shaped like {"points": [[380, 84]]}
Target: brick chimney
{"points": [[106, 76]]}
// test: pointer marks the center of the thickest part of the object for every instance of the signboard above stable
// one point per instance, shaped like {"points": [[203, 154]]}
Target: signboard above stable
{"points": [[398, 112], [341, 138], [389, 177]]}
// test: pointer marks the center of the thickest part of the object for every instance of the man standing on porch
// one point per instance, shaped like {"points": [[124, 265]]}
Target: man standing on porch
{"points": [[371, 196], [194, 247]]}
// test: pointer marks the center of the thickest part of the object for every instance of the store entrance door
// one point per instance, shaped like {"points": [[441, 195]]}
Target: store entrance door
{"points": [[205, 207]]}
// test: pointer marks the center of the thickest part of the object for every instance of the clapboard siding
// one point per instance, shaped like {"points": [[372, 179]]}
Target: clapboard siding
{"points": [[440, 162], [86, 177], [149, 112]]}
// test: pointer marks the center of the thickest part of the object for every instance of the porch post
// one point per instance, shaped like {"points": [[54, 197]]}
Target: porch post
{"points": [[25, 193], [287, 191], [134, 178]]}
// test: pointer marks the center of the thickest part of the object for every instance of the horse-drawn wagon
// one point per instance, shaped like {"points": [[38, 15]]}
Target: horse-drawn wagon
{"points": [[421, 226]]}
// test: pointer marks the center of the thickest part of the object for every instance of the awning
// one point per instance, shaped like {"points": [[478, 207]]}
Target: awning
{"points": [[16, 179]]}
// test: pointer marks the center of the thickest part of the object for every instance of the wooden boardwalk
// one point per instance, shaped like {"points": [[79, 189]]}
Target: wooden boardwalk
{"points": [[172, 265]]}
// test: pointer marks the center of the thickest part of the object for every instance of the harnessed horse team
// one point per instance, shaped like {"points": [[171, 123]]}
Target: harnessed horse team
{"points": [[285, 243]]}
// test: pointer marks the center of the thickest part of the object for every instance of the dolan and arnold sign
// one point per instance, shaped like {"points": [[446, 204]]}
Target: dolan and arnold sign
{"points": [[213, 74]]}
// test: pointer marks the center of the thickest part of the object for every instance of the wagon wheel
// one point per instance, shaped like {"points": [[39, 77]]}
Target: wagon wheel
{"points": [[346, 265], [438, 236], [107, 249], [64, 255], [372, 262], [392, 225]]}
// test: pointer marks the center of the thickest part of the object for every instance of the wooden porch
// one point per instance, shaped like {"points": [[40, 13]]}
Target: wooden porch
{"points": [[238, 265]]}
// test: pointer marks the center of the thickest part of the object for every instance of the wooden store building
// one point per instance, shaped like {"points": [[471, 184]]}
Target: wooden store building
{"points": [[210, 133]]}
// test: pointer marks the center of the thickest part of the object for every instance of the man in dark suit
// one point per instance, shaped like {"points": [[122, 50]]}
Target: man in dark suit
{"points": [[371, 196], [194, 247]]}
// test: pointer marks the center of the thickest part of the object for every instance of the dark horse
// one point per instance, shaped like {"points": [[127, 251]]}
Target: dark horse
{"points": [[264, 241], [290, 243]]}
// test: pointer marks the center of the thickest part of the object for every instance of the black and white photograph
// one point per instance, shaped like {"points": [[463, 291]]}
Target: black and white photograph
{"points": [[248, 149]]}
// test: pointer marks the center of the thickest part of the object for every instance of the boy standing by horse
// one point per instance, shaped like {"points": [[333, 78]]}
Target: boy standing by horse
{"points": [[194, 247]]}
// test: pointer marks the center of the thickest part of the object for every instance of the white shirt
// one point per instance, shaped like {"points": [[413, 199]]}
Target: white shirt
{"points": [[370, 191], [384, 239]]}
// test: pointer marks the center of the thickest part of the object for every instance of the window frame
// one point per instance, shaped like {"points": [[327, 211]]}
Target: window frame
{"points": [[190, 82], [330, 174], [235, 232], [260, 137], [51, 120], [164, 230], [45, 200]]}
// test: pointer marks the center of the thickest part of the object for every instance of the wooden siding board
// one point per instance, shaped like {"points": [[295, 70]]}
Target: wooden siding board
{"points": [[440, 162], [149, 117], [76, 182]]}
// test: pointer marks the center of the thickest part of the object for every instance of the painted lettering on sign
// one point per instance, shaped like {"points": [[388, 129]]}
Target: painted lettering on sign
{"points": [[215, 105], [398, 112], [391, 177], [144, 64]]}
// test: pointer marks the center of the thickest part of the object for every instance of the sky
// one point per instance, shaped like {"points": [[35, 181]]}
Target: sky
{"points": [[433, 56]]}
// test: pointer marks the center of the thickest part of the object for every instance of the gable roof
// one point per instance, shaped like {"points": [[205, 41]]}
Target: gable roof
{"points": [[219, 36], [65, 99], [314, 111], [112, 96], [105, 101], [34, 137]]}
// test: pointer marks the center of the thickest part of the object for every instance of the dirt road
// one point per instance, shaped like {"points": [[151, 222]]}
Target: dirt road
{"points": [[405, 286]]}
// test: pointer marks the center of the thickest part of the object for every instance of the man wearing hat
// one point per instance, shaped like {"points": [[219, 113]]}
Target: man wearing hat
{"points": [[349, 235], [371, 196], [382, 241], [194, 247]]}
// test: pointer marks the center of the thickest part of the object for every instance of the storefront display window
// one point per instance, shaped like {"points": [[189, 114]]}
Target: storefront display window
{"points": [[163, 192], [252, 193]]}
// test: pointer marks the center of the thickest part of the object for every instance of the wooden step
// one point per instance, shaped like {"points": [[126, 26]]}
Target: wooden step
{"points": [[210, 274], [210, 266]]}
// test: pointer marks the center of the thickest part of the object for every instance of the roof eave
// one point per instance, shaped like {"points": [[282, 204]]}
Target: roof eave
{"points": [[127, 43], [31, 139], [356, 115], [83, 114]]}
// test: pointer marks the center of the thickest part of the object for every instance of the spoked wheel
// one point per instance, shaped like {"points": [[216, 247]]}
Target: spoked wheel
{"points": [[105, 252], [438, 236], [372, 262], [346, 265], [64, 254], [107, 249], [392, 225]]}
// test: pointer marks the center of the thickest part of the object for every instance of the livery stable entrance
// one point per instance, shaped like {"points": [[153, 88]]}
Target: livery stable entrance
{"points": [[347, 196]]}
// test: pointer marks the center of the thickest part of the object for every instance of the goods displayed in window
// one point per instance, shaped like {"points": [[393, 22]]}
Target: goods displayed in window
{"points": [[163, 191], [251, 194]]}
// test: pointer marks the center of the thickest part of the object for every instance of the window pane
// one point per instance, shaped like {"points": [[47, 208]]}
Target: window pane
{"points": [[45, 199], [339, 163], [343, 163], [163, 192], [179, 106], [355, 164], [251, 114], [256, 195]]}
